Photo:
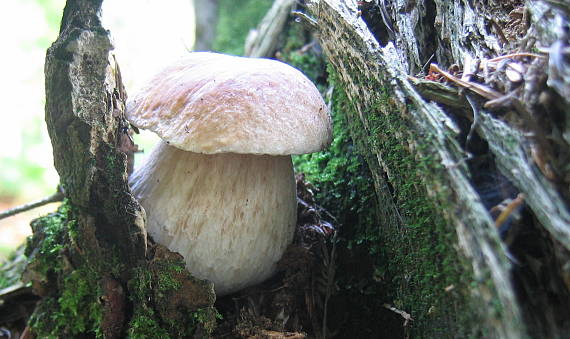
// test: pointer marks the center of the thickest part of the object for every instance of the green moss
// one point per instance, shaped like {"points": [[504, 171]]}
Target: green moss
{"points": [[345, 188], [423, 274], [80, 301], [395, 245], [78, 309], [156, 291], [166, 281], [47, 243], [72, 306], [144, 325], [42, 321], [299, 53]]}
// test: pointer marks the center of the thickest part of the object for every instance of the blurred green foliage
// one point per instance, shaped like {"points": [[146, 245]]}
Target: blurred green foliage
{"points": [[53, 9], [236, 19], [5, 252], [21, 174]]}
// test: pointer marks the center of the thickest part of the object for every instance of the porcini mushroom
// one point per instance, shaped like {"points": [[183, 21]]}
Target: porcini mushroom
{"points": [[219, 188]]}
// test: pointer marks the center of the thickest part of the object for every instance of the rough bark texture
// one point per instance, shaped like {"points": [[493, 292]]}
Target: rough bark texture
{"points": [[90, 260], [85, 102], [417, 152]]}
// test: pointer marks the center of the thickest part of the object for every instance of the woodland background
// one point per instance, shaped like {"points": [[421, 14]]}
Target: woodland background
{"points": [[447, 182], [26, 163]]}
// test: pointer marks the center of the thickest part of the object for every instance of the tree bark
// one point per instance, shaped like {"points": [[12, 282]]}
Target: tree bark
{"points": [[90, 261], [380, 52], [85, 104]]}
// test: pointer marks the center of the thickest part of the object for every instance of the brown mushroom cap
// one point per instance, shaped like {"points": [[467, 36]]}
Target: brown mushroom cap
{"points": [[214, 103]]}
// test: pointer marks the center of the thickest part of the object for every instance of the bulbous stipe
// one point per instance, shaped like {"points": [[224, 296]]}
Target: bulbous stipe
{"points": [[230, 215]]}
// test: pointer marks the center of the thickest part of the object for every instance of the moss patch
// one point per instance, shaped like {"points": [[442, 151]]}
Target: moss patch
{"points": [[395, 246], [426, 275], [169, 301], [75, 307], [422, 271], [76, 311], [345, 188], [85, 297], [302, 52], [46, 245]]}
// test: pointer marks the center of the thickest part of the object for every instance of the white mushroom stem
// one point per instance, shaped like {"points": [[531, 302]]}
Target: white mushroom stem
{"points": [[230, 215]]}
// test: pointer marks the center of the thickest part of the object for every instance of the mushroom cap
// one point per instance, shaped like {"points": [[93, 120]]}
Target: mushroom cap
{"points": [[215, 103]]}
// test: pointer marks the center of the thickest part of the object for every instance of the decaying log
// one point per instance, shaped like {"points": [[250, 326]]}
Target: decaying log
{"points": [[378, 58]]}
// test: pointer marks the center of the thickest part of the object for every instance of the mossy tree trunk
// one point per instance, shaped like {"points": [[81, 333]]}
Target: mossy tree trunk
{"points": [[90, 260], [446, 155]]}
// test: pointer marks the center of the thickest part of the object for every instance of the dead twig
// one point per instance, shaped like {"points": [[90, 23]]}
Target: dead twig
{"points": [[475, 119], [330, 273], [482, 90], [512, 206], [407, 317], [302, 17], [470, 67], [57, 196], [514, 55], [502, 102]]}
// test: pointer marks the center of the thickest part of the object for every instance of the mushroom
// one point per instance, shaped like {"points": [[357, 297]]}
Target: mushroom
{"points": [[219, 188]]}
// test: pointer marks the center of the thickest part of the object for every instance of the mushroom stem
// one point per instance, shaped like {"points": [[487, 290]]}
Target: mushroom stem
{"points": [[230, 215]]}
